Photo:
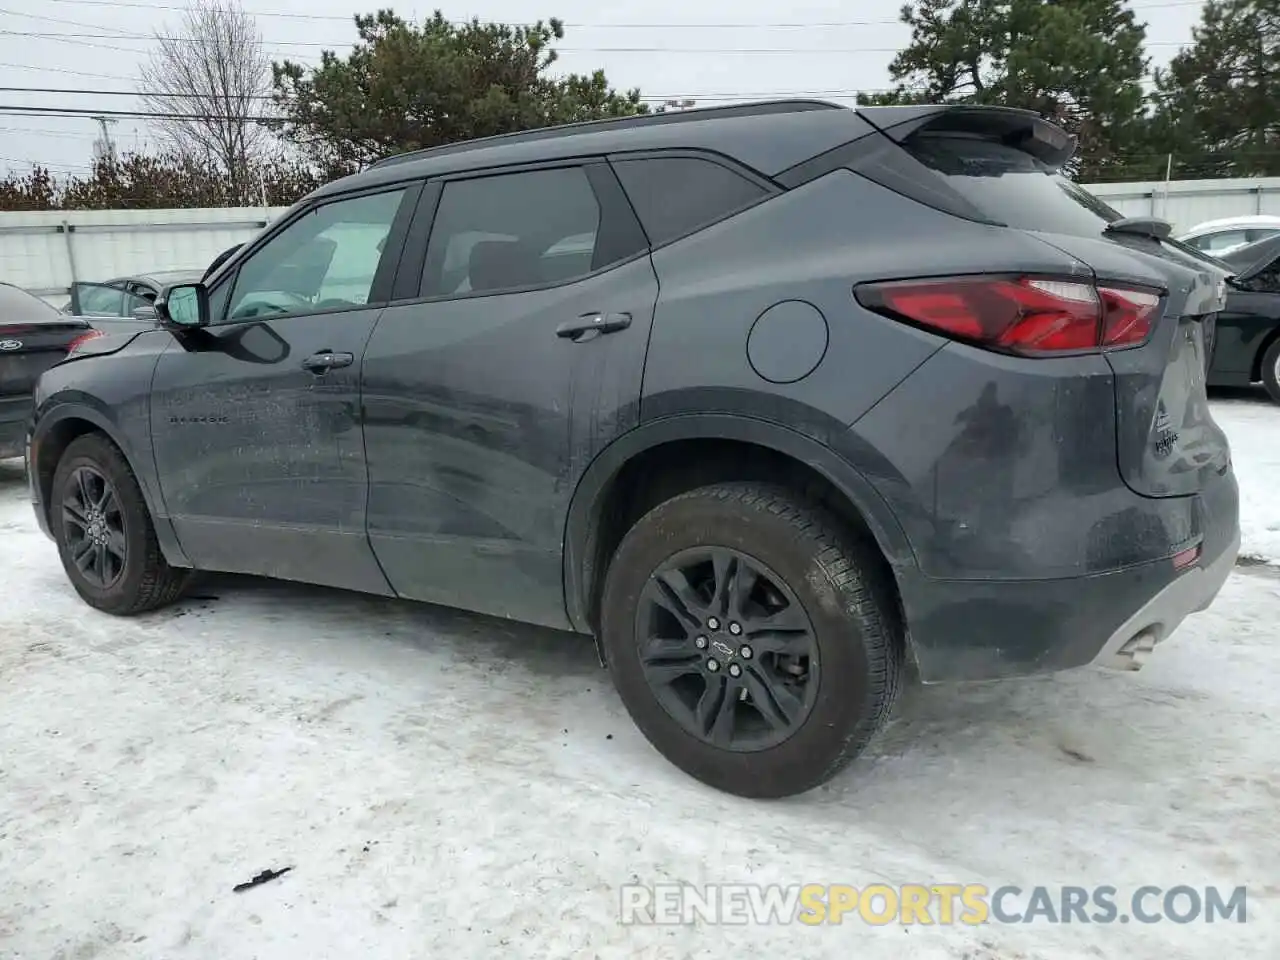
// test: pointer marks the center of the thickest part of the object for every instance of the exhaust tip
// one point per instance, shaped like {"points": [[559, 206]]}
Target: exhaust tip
{"points": [[1137, 651]]}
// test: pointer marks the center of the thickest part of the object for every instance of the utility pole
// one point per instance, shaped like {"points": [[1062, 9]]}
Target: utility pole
{"points": [[104, 148]]}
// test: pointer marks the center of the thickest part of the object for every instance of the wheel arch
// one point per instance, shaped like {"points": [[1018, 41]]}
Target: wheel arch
{"points": [[665, 457], [55, 430]]}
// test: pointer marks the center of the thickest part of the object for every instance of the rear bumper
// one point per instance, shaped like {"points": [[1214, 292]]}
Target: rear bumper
{"points": [[14, 414], [991, 629], [1133, 641]]}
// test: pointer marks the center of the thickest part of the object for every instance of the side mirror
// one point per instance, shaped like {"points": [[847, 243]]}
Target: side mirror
{"points": [[145, 313], [183, 306]]}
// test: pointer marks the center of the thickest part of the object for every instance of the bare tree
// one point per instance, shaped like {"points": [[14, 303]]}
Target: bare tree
{"points": [[213, 78]]}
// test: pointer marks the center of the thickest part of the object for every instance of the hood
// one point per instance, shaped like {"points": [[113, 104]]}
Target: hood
{"points": [[1253, 259]]}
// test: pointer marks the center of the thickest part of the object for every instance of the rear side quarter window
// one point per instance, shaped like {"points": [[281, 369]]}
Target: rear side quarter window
{"points": [[674, 196]]}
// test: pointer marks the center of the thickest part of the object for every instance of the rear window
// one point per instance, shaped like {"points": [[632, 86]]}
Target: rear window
{"points": [[18, 306], [674, 196], [1010, 186]]}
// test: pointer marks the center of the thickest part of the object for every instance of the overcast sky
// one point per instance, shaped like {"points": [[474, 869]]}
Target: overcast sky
{"points": [[725, 49]]}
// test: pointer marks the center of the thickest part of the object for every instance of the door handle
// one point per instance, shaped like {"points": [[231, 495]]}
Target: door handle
{"points": [[591, 325], [327, 360]]}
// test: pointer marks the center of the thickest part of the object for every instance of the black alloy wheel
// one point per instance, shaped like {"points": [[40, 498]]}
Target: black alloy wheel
{"points": [[95, 527], [727, 649]]}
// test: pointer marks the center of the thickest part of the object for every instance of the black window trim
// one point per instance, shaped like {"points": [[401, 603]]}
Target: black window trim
{"points": [[379, 290], [611, 199], [770, 188]]}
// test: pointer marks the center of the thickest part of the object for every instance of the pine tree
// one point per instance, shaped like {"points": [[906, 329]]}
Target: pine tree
{"points": [[1080, 64], [1218, 110]]}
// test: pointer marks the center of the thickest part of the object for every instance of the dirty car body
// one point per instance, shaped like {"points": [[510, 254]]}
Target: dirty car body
{"points": [[883, 375]]}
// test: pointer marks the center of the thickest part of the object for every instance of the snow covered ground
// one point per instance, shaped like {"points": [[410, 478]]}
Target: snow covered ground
{"points": [[450, 786], [1253, 427]]}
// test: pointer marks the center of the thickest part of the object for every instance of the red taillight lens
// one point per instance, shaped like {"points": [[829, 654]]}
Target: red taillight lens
{"points": [[83, 338], [1026, 315], [1127, 315]]}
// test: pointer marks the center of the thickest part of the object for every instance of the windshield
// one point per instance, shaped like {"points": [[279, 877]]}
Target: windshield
{"points": [[1011, 186], [1014, 188]]}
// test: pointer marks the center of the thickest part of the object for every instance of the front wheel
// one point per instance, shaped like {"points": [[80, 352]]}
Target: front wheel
{"points": [[752, 642], [104, 532], [1271, 370]]}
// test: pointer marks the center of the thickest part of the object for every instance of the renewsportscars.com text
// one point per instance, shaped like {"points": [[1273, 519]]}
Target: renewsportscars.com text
{"points": [[927, 904]]}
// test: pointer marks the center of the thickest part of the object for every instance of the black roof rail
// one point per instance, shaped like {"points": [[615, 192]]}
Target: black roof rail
{"points": [[760, 108]]}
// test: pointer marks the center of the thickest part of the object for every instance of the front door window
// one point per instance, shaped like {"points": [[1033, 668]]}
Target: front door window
{"points": [[324, 260]]}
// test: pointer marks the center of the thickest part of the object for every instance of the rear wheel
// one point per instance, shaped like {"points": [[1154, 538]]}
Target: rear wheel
{"points": [[1271, 370], [104, 532], [753, 644]]}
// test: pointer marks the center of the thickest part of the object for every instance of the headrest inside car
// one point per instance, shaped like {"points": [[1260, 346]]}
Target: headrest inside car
{"points": [[502, 264]]}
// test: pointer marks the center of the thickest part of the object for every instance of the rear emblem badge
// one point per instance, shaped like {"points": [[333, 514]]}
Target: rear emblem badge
{"points": [[10, 344]]}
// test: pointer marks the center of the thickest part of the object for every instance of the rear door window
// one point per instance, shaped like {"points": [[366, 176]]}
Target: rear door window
{"points": [[674, 196], [1224, 241], [512, 231], [104, 300]]}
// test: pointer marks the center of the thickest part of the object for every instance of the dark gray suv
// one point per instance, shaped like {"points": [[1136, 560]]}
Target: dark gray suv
{"points": [[784, 403]]}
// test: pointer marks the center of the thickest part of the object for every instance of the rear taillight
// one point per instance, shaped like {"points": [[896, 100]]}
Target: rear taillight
{"points": [[82, 339], [1032, 316]]}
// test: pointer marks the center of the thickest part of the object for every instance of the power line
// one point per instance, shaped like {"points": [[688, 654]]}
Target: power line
{"points": [[60, 167], [764, 95], [45, 132], [72, 23], [22, 110], [1158, 5], [81, 37], [70, 73]]}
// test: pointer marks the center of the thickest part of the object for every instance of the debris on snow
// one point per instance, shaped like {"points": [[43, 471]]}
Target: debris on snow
{"points": [[264, 877]]}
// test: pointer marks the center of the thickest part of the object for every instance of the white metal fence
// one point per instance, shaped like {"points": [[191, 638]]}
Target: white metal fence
{"points": [[1185, 203], [47, 251]]}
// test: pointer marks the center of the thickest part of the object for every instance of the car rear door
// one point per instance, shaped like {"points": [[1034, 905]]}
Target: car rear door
{"points": [[512, 354], [255, 419]]}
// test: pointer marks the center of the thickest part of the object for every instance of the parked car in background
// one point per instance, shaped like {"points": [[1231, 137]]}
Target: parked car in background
{"points": [[1219, 237], [33, 337], [774, 399], [1247, 340], [124, 296]]}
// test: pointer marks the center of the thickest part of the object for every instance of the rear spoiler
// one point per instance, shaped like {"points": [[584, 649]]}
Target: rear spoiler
{"points": [[1024, 129]]}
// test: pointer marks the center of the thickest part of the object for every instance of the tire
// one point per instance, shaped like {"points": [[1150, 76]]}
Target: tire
{"points": [[854, 637], [140, 581], [1271, 370]]}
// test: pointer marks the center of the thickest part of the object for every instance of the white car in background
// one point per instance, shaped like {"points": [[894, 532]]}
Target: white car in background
{"points": [[1217, 237]]}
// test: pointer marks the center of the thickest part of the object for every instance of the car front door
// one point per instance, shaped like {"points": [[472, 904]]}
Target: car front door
{"points": [[110, 299], [512, 355], [255, 419]]}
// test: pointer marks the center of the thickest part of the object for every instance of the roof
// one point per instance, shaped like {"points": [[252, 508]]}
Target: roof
{"points": [[162, 277], [173, 276], [21, 306], [769, 137], [1228, 223]]}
